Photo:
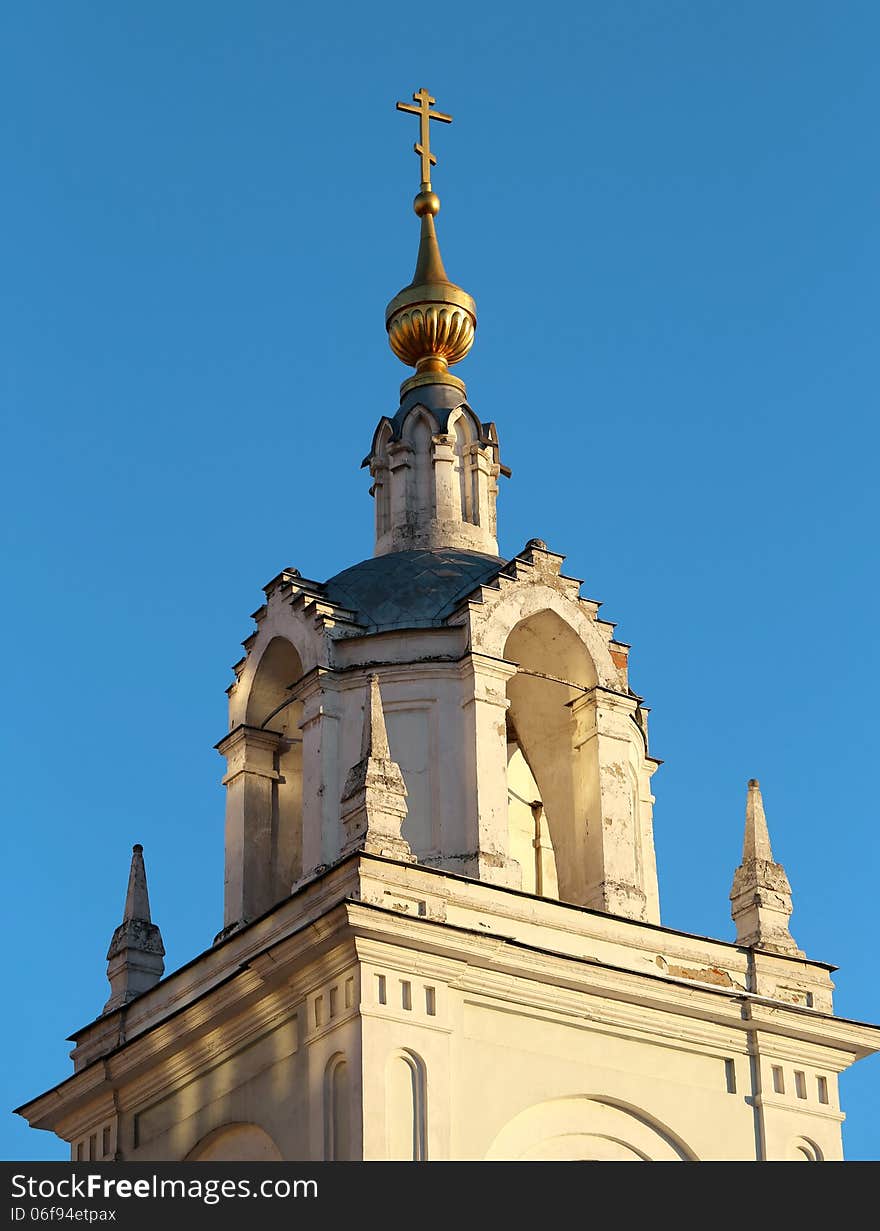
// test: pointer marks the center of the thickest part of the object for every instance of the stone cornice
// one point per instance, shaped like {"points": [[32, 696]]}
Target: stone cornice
{"points": [[482, 938], [255, 737], [799, 1107], [316, 895], [512, 959], [265, 990]]}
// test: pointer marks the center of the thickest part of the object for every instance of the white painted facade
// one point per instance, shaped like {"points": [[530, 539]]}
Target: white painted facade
{"points": [[389, 1010]]}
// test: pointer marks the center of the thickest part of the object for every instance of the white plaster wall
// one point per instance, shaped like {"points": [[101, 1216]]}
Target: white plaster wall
{"points": [[679, 1094], [264, 1085], [422, 704], [542, 1031]]}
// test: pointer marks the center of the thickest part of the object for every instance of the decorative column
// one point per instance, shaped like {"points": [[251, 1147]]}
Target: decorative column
{"points": [[608, 799], [251, 817], [484, 713]]}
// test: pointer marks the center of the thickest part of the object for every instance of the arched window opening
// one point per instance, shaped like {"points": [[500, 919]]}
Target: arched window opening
{"points": [[554, 670], [271, 706]]}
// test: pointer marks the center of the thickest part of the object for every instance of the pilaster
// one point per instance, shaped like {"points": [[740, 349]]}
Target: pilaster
{"points": [[251, 817], [320, 726], [481, 466], [609, 792], [399, 462], [484, 708], [794, 1096]]}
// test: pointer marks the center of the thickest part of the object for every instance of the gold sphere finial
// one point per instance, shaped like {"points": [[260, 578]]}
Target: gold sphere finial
{"points": [[427, 203], [431, 323]]}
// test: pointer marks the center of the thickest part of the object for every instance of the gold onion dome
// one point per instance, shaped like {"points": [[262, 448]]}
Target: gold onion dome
{"points": [[431, 322]]}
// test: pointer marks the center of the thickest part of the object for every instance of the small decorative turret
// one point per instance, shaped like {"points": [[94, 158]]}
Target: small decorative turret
{"points": [[374, 796], [761, 895], [134, 959], [434, 464], [431, 322]]}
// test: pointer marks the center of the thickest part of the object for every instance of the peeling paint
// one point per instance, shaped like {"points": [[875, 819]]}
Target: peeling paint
{"points": [[706, 974]]}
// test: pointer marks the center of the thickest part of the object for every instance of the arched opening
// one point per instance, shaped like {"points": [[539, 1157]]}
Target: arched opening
{"points": [[235, 1143], [547, 795], [271, 706], [405, 1116], [530, 843]]}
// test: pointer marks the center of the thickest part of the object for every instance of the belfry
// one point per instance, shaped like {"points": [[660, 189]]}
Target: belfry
{"points": [[442, 935]]}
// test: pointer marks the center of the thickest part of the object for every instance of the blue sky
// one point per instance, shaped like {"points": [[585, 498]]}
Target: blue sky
{"points": [[667, 214]]}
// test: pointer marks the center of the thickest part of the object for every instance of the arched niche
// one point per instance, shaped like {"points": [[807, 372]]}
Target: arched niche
{"points": [[462, 429], [803, 1150], [586, 1127], [337, 1110], [421, 497], [382, 480], [553, 669], [405, 1108], [270, 705], [235, 1143]]}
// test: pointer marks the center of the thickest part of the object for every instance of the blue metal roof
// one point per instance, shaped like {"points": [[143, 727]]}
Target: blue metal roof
{"points": [[410, 589]]}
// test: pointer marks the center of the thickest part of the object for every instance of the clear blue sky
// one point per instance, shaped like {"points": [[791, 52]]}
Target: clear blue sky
{"points": [[667, 213]]}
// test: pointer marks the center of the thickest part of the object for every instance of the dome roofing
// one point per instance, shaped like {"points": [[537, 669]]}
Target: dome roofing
{"points": [[410, 589]]}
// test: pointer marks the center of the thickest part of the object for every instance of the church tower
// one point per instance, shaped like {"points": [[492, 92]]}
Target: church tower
{"points": [[442, 934]]}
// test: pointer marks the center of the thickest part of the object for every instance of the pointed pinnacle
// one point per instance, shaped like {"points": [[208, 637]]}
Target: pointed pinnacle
{"points": [[756, 843], [375, 738], [429, 265], [137, 900]]}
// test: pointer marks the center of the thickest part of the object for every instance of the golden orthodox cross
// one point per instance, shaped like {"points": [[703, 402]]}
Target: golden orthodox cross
{"points": [[423, 146]]}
